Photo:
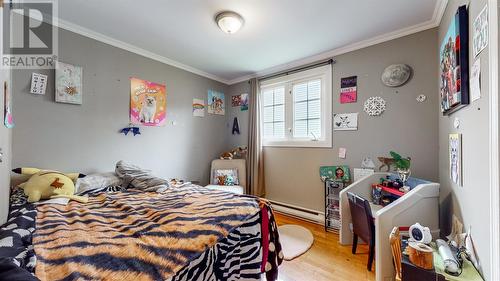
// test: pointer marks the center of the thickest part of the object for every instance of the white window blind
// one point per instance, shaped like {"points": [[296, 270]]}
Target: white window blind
{"points": [[297, 109], [274, 112], [307, 109]]}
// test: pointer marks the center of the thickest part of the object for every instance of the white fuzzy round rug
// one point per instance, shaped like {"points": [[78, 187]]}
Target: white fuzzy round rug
{"points": [[295, 240]]}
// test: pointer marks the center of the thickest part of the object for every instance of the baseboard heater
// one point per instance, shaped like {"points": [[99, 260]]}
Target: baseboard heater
{"points": [[299, 212]]}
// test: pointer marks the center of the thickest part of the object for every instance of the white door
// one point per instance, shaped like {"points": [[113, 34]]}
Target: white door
{"points": [[5, 143], [5, 150]]}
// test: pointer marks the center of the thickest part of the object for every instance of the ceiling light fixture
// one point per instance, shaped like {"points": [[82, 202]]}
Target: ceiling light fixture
{"points": [[229, 22]]}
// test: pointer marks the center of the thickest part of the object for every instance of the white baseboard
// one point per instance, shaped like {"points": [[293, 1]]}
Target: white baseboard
{"points": [[299, 212]]}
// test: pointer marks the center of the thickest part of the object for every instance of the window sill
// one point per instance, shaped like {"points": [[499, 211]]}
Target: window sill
{"points": [[299, 144]]}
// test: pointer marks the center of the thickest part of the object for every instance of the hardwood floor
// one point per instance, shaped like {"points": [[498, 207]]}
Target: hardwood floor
{"points": [[326, 260]]}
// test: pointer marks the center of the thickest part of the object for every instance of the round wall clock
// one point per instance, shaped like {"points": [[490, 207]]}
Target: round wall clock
{"points": [[374, 106], [396, 75]]}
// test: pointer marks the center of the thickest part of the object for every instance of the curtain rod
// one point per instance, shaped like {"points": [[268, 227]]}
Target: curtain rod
{"points": [[297, 69]]}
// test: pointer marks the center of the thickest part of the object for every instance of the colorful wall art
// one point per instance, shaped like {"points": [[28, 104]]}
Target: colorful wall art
{"points": [[7, 103], [454, 64], [339, 173], [148, 102], [348, 89], [244, 102], [235, 100], [69, 83], [216, 104], [198, 107]]}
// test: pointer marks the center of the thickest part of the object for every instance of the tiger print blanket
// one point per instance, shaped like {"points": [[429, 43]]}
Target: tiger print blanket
{"points": [[136, 235]]}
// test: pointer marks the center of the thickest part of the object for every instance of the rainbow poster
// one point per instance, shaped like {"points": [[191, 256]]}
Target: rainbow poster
{"points": [[198, 108], [148, 102]]}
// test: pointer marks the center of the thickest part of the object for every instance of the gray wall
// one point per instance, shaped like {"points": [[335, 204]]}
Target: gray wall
{"points": [[292, 174], [85, 138], [235, 140], [469, 202]]}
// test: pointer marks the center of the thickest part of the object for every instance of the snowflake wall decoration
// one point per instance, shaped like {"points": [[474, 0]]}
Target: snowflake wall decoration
{"points": [[374, 106]]}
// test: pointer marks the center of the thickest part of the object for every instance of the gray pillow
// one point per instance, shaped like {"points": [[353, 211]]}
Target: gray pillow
{"points": [[136, 177], [96, 181]]}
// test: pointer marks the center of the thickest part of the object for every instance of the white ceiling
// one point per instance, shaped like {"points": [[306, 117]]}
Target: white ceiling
{"points": [[276, 32]]}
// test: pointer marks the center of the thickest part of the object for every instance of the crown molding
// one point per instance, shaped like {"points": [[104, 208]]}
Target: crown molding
{"points": [[432, 23], [134, 49]]}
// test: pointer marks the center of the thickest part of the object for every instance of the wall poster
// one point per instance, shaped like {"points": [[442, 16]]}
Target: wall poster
{"points": [[148, 102], [348, 89]]}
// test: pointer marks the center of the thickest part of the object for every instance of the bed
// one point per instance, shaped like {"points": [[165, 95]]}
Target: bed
{"points": [[187, 233]]}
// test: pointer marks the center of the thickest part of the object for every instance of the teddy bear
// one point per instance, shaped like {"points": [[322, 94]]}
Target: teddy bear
{"points": [[45, 184]]}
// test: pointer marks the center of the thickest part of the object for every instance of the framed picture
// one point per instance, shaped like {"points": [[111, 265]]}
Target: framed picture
{"points": [[68, 83], [454, 64], [235, 100], [480, 36], [198, 107], [345, 121], [338, 173], [216, 103], [348, 89], [244, 102], [455, 150], [148, 103]]}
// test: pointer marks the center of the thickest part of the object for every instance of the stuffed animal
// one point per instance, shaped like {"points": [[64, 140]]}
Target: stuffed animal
{"points": [[226, 156], [49, 184], [239, 152]]}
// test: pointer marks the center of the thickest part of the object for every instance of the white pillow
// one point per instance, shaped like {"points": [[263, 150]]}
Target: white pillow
{"points": [[96, 181]]}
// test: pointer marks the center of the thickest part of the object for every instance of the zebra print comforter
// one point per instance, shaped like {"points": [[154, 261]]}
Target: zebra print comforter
{"points": [[189, 233]]}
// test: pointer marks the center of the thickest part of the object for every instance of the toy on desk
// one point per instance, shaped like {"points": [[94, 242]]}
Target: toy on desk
{"points": [[451, 264], [420, 234], [402, 168], [387, 162], [396, 184], [387, 191], [126, 130], [395, 159]]}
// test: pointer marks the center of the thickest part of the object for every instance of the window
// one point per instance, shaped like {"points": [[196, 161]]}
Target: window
{"points": [[296, 109]]}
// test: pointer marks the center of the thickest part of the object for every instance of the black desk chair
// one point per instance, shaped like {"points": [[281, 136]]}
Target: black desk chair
{"points": [[362, 224]]}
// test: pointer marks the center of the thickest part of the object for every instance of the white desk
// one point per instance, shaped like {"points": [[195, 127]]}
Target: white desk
{"points": [[420, 204]]}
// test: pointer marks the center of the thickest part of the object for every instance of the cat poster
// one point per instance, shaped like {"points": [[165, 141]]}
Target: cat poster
{"points": [[215, 103], [455, 147], [148, 103], [345, 122], [68, 83], [198, 108]]}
